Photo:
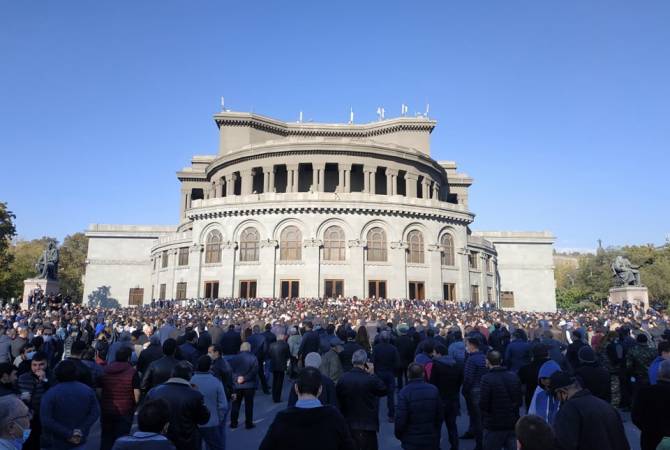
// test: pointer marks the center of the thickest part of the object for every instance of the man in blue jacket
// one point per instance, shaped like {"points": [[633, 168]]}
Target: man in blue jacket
{"points": [[419, 412], [475, 368], [663, 354], [68, 410]]}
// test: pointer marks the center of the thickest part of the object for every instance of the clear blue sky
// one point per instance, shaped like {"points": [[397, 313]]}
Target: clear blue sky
{"points": [[559, 110]]}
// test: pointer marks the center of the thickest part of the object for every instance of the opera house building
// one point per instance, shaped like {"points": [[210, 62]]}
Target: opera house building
{"points": [[322, 210]]}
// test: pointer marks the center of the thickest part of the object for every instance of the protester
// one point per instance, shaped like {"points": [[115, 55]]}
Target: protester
{"points": [[245, 370], [119, 392], [187, 407], [584, 421], [8, 378], [279, 355], [152, 422], [529, 373], [259, 349], [543, 403], [212, 432], [650, 409], [62, 425], [14, 423], [33, 386], [475, 368], [663, 355], [328, 395], [308, 422], [151, 353], [386, 360], [221, 369], [358, 392], [533, 433], [420, 412], [160, 371], [591, 375], [447, 376], [638, 360], [331, 366]]}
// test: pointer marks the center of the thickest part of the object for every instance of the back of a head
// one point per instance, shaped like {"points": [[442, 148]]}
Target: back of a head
{"points": [[77, 348], [385, 336], [441, 349], [9, 406], [123, 354], [66, 371], [415, 371], [153, 415], [204, 364], [359, 358], [256, 329], [183, 370], [494, 358], [533, 433], [169, 347], [309, 381], [430, 332]]}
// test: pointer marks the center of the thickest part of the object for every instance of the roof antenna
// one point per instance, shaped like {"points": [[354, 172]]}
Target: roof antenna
{"points": [[300, 117], [223, 104], [403, 110], [427, 110], [351, 115]]}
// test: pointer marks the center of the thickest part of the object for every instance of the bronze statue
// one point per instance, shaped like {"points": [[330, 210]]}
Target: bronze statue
{"points": [[47, 265], [625, 274]]}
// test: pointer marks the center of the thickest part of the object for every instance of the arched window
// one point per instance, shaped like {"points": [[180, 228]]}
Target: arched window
{"points": [[415, 241], [290, 245], [377, 245], [213, 247], [249, 243], [333, 244], [447, 243]]}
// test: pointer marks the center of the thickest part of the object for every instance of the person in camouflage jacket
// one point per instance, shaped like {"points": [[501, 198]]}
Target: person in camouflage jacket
{"points": [[638, 360]]}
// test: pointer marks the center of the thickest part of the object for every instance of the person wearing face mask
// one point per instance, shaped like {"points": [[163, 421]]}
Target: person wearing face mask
{"points": [[14, 423], [152, 423], [584, 421]]}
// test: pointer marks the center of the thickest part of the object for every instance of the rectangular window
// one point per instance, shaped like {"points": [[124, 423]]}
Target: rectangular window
{"points": [[489, 294], [449, 291], [152, 292], [290, 288], [474, 294], [416, 290], [136, 297], [155, 258], [183, 256], [333, 288], [248, 289], [181, 291], [164, 259], [473, 260], [489, 264], [507, 299], [211, 289], [161, 292], [377, 288]]}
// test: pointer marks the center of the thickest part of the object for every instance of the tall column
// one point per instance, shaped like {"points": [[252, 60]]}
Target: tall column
{"points": [[340, 182], [291, 178], [271, 178], [391, 181], [347, 178], [266, 179], [247, 181], [436, 191], [230, 184], [410, 184], [368, 182], [425, 188], [315, 178], [321, 170], [217, 189]]}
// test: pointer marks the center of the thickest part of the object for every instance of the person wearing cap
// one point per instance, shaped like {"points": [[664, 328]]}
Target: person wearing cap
{"points": [[650, 409], [358, 393], [663, 355], [638, 360], [592, 375], [331, 366], [584, 421], [328, 395]]}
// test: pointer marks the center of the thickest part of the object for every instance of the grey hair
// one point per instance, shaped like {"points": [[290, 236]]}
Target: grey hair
{"points": [[359, 358], [10, 405], [664, 370]]}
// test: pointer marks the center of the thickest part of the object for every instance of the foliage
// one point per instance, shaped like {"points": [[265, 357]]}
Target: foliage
{"points": [[25, 255], [73, 265], [7, 233], [591, 278]]}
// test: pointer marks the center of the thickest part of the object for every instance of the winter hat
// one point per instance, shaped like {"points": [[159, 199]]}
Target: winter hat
{"points": [[560, 380], [313, 359], [586, 355]]}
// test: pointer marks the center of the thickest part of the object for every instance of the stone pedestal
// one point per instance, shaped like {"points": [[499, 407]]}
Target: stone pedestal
{"points": [[47, 286], [634, 294]]}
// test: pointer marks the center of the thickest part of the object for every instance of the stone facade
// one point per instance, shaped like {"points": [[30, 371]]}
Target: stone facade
{"points": [[295, 209]]}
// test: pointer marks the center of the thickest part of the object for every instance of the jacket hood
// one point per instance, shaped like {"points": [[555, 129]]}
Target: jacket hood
{"points": [[548, 369]]}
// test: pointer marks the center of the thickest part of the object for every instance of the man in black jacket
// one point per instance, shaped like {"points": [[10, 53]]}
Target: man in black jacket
{"points": [[584, 421], [499, 403], [406, 348], [259, 348], [593, 376], [160, 370], [447, 376], [386, 360], [151, 353], [529, 373], [350, 347], [311, 342], [308, 424], [231, 341], [419, 418], [187, 407], [278, 356], [358, 392], [650, 410]]}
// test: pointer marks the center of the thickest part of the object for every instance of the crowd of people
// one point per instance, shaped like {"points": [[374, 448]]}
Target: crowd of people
{"points": [[527, 380]]}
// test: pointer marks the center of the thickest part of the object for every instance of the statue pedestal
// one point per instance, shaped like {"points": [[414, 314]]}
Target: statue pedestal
{"points": [[29, 286], [634, 294]]}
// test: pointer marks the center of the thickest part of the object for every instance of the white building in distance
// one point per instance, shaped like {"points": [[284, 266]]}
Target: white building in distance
{"points": [[312, 210]]}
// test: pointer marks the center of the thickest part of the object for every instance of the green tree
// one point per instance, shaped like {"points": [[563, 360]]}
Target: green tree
{"points": [[25, 256], [7, 233], [73, 265]]}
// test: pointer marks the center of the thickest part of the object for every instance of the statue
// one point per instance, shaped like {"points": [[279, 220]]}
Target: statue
{"points": [[625, 274], [47, 265]]}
